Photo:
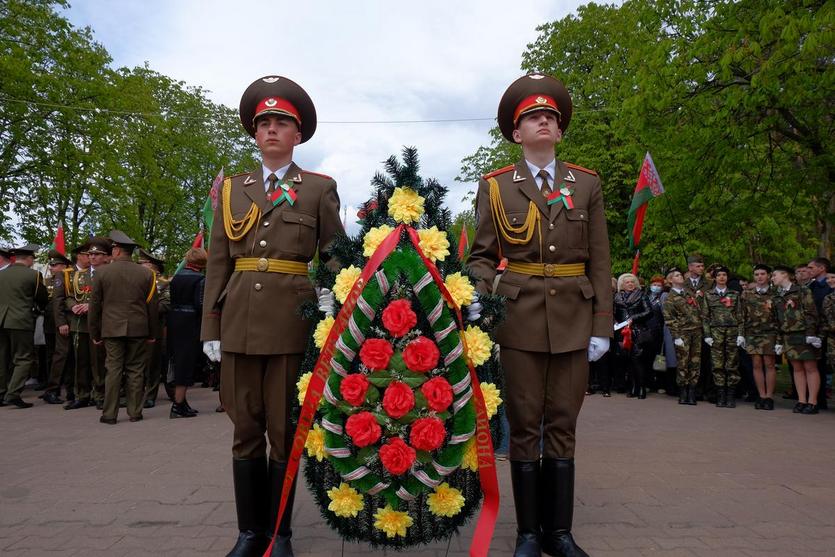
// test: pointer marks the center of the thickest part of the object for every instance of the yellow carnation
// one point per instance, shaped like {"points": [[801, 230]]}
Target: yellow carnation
{"points": [[405, 205], [345, 501], [373, 239], [392, 522], [446, 501], [470, 458], [460, 289], [344, 282], [315, 443], [323, 329], [301, 385], [492, 398], [434, 243], [478, 344]]}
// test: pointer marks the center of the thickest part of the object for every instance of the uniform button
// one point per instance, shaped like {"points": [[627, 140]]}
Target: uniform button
{"points": [[266, 223], [262, 243], [552, 248], [552, 292], [301, 219], [551, 226], [258, 286], [514, 219]]}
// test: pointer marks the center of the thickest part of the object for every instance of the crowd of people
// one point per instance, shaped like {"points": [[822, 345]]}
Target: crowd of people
{"points": [[707, 334], [103, 328]]}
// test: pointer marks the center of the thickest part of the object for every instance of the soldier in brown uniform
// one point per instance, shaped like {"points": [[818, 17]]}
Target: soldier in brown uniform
{"points": [[267, 228], [123, 317], [797, 319], [759, 324], [155, 367], [22, 295], [99, 253], [58, 263], [545, 217]]}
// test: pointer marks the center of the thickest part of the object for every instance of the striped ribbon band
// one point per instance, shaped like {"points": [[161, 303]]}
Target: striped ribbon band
{"points": [[454, 354], [425, 479], [405, 495], [332, 427], [360, 472], [459, 387], [378, 488], [463, 438], [359, 338], [366, 310], [347, 352], [338, 452], [383, 282], [441, 335], [443, 470], [463, 400], [436, 312], [337, 368], [424, 281]]}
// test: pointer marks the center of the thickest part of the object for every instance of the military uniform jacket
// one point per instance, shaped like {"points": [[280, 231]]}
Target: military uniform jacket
{"points": [[702, 285], [124, 301], [22, 296], [797, 315], [758, 313], [723, 310], [547, 314], [72, 287], [254, 312], [682, 312]]}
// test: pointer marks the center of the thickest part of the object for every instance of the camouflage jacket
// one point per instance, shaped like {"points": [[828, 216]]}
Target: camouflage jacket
{"points": [[721, 311], [682, 312], [759, 316], [796, 312], [828, 316]]}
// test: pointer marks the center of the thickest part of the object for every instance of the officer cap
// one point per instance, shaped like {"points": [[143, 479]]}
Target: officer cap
{"points": [[148, 257], [762, 266], [274, 94], [58, 258], [98, 244], [81, 248], [529, 94], [722, 269], [28, 249], [120, 238], [5, 252], [673, 270]]}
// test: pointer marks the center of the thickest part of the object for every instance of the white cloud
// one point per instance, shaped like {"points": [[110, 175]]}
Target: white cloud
{"points": [[360, 61]]}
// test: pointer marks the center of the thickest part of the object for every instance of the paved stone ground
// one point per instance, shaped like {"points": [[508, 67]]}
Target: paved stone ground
{"points": [[654, 478]]}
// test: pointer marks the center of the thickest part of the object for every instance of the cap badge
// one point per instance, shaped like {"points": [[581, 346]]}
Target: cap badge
{"points": [[271, 79], [541, 100], [271, 102], [537, 76]]}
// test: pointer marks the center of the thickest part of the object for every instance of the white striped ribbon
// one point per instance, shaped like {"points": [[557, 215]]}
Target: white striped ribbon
{"points": [[337, 368], [404, 494], [383, 282], [463, 400], [360, 472], [441, 335], [459, 387], [359, 338], [329, 395], [422, 283], [338, 453], [443, 470], [378, 488], [463, 438], [436, 313], [347, 352], [425, 479], [367, 310], [454, 354], [332, 427]]}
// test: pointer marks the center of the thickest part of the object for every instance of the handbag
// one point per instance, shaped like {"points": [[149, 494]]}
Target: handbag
{"points": [[659, 363]]}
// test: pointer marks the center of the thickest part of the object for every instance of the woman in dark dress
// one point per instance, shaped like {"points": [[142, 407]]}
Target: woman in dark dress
{"points": [[631, 306], [184, 344]]}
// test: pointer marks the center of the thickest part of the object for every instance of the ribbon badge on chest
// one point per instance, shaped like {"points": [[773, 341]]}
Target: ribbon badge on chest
{"points": [[726, 301], [282, 194], [562, 195]]}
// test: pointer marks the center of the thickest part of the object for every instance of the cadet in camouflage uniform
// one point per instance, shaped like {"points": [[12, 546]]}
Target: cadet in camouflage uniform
{"points": [[759, 324], [722, 325], [828, 327], [682, 315], [797, 319]]}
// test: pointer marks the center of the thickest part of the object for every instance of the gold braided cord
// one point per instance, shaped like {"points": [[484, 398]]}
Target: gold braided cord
{"points": [[153, 289], [66, 282], [503, 225], [236, 229]]}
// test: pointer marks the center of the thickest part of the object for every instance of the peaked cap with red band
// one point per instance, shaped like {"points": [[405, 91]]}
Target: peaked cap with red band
{"points": [[529, 94], [274, 94]]}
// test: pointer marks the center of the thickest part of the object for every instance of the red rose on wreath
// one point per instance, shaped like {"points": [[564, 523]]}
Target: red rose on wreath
{"points": [[427, 434], [398, 399], [363, 429], [421, 355], [398, 318], [353, 389], [438, 393], [397, 457], [376, 353]]}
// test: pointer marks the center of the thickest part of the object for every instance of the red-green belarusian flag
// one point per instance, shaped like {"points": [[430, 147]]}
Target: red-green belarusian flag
{"points": [[649, 185], [210, 206], [58, 243]]}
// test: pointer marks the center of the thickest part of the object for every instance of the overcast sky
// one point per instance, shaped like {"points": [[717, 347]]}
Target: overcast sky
{"points": [[359, 61]]}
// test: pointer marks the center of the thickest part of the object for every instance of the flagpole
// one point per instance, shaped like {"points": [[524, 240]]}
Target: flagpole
{"points": [[678, 232]]}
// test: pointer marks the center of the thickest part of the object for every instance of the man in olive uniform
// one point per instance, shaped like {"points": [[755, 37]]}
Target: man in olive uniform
{"points": [[156, 367], [268, 225], [58, 344], [5, 356], [99, 254], [22, 295], [828, 327], [759, 325], [683, 316], [797, 320], [545, 217], [722, 326], [123, 317]]}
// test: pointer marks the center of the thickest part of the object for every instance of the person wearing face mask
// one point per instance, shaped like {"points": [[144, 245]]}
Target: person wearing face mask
{"points": [[722, 326], [759, 326], [656, 328]]}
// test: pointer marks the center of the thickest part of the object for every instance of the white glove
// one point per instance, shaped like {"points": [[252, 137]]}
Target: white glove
{"points": [[597, 347], [474, 309], [327, 302], [211, 348], [740, 341], [709, 341], [679, 342], [778, 349], [814, 341]]}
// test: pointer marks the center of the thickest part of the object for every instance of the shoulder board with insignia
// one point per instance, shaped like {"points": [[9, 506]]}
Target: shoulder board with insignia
{"points": [[238, 174], [578, 167], [507, 168], [325, 176]]}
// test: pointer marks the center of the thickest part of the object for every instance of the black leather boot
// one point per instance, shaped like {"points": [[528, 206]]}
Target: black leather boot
{"points": [[524, 476], [281, 544], [682, 394], [730, 397], [720, 397], [691, 395], [251, 490], [558, 508]]}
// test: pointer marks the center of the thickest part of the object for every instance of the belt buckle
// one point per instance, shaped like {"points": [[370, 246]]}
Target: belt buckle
{"points": [[549, 269], [263, 264]]}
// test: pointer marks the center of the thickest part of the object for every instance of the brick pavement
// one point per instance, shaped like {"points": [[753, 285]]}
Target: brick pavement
{"points": [[654, 478]]}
